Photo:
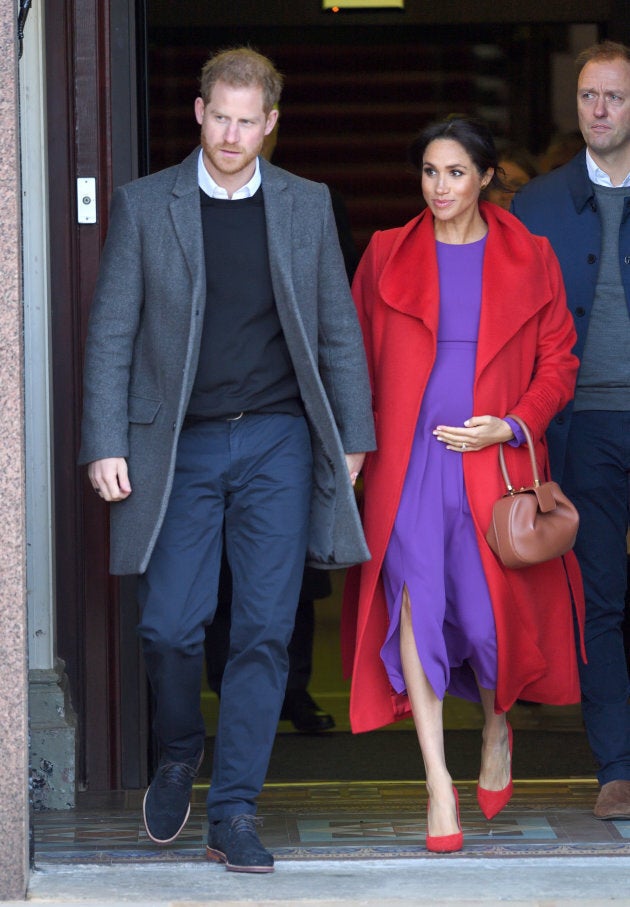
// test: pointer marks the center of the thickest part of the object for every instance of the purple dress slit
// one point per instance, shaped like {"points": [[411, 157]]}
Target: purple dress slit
{"points": [[433, 550]]}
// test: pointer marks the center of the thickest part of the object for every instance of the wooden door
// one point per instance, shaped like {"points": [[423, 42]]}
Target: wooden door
{"points": [[92, 63]]}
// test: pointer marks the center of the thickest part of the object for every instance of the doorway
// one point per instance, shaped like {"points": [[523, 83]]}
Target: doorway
{"points": [[352, 102], [121, 81]]}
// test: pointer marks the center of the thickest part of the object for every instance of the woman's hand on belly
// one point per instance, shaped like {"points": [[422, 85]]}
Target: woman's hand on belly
{"points": [[475, 434]]}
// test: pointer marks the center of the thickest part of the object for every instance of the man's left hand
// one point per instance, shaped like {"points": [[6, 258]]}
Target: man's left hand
{"points": [[354, 462]]}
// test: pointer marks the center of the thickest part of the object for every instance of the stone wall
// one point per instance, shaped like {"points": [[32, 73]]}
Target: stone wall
{"points": [[14, 819]]}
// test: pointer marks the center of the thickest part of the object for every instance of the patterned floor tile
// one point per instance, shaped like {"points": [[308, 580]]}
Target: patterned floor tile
{"points": [[342, 821]]}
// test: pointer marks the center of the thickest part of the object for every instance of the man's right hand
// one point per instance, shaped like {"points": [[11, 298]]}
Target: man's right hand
{"points": [[110, 479]]}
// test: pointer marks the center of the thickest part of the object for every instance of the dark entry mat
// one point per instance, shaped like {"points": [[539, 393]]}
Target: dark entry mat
{"points": [[395, 756]]}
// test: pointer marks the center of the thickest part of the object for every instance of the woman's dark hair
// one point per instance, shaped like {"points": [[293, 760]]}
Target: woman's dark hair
{"points": [[472, 134]]}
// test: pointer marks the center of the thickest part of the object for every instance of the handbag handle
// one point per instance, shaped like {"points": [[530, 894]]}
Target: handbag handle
{"points": [[532, 456]]}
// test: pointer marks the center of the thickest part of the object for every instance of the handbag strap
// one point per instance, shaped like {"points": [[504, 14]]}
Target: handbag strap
{"points": [[532, 455]]}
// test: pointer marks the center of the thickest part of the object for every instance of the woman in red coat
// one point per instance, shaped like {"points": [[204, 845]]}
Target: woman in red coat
{"points": [[464, 320]]}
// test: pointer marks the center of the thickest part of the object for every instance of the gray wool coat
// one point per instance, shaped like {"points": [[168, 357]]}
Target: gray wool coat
{"points": [[143, 345]]}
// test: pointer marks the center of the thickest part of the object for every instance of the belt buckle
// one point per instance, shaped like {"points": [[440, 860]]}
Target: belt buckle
{"points": [[235, 418]]}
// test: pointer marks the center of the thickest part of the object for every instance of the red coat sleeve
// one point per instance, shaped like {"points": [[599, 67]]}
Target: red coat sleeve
{"points": [[553, 381]]}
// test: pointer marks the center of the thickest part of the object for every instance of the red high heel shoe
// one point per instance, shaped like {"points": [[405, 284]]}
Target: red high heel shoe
{"points": [[491, 802], [445, 843]]}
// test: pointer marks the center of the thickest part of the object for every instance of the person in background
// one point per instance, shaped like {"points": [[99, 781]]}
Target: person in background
{"points": [[562, 147], [516, 167], [226, 398], [583, 208], [465, 323]]}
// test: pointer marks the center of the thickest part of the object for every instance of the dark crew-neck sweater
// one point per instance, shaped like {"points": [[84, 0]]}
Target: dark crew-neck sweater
{"points": [[244, 363]]}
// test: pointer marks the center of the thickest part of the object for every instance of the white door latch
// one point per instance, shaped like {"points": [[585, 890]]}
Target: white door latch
{"points": [[86, 200]]}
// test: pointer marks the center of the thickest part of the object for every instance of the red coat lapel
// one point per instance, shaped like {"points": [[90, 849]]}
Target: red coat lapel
{"points": [[409, 281], [508, 257], [514, 288]]}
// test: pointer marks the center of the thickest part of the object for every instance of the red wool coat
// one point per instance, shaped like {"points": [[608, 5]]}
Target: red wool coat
{"points": [[524, 366]]}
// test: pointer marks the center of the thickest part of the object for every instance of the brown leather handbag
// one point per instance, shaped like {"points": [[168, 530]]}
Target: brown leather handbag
{"points": [[534, 524]]}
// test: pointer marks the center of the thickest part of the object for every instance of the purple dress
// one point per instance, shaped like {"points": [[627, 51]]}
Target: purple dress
{"points": [[433, 549]]}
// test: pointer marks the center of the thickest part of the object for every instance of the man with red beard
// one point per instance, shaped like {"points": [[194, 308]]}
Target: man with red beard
{"points": [[226, 396]]}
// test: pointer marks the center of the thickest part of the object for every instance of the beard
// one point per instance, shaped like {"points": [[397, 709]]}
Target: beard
{"points": [[227, 166]]}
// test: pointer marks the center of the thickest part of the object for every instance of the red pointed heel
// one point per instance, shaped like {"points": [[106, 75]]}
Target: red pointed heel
{"points": [[446, 843], [491, 802]]}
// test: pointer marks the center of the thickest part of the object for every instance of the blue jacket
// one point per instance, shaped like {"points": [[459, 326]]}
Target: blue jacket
{"points": [[561, 205]]}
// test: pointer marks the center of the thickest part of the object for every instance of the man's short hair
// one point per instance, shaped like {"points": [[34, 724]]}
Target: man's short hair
{"points": [[602, 52], [242, 67]]}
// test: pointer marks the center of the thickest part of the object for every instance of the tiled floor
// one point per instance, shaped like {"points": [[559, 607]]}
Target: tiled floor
{"points": [[355, 820], [355, 843], [363, 820]]}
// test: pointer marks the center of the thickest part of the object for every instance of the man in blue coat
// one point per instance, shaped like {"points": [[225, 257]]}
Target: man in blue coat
{"points": [[226, 396], [584, 210]]}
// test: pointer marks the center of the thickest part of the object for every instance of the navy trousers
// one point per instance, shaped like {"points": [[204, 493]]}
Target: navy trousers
{"points": [[315, 584], [249, 480], [597, 480]]}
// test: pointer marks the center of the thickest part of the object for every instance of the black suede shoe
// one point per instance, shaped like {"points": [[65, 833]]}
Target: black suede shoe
{"points": [[234, 841], [303, 712], [166, 804]]}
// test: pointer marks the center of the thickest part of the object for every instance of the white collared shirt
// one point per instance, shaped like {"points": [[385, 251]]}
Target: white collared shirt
{"points": [[600, 177], [208, 185]]}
